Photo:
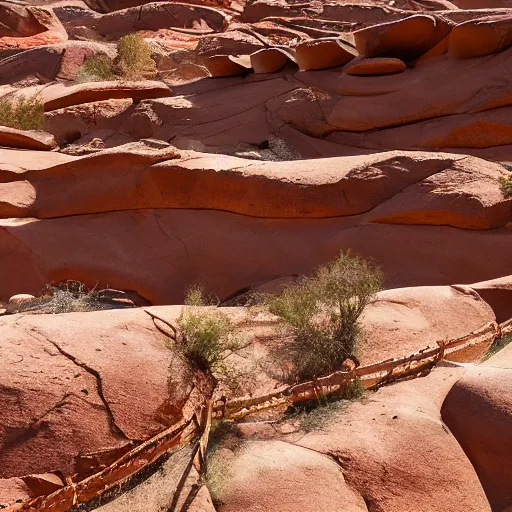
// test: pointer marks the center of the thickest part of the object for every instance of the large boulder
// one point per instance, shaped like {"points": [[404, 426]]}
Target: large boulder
{"points": [[76, 384], [478, 410], [275, 475], [43, 61]]}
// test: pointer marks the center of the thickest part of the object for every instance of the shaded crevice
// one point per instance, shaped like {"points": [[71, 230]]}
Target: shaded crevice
{"points": [[99, 383]]}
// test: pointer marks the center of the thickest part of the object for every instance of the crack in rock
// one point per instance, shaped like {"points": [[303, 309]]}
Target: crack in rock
{"points": [[99, 383]]}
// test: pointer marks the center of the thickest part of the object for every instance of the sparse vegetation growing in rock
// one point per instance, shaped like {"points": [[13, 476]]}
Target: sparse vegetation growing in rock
{"points": [[23, 114], [197, 296], [207, 335], [223, 440], [210, 336], [499, 344], [69, 297], [316, 415], [133, 62], [321, 313], [96, 69], [506, 185]]}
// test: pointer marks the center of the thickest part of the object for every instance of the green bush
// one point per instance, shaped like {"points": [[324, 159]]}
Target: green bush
{"points": [[134, 60], [23, 114], [321, 313], [208, 334], [97, 68], [506, 185]]}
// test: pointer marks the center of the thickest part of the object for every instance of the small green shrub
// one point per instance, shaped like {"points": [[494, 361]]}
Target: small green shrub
{"points": [[97, 68], [506, 185], [134, 60], [23, 114], [321, 313], [208, 334]]}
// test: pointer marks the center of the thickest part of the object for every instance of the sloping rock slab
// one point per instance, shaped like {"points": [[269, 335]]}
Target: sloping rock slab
{"points": [[62, 95], [480, 37], [130, 177], [23, 139], [498, 294]]}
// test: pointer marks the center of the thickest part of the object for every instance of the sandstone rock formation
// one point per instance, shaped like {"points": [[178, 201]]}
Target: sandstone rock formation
{"points": [[80, 389], [273, 135], [478, 411]]}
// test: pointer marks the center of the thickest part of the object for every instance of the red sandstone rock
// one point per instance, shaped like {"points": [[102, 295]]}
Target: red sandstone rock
{"points": [[452, 198], [498, 294], [322, 53], [115, 248], [481, 37], [405, 320], [275, 475], [26, 139], [478, 410], [269, 60], [406, 39], [383, 184], [226, 65], [43, 61], [78, 383], [377, 67], [60, 95], [153, 16], [397, 437]]}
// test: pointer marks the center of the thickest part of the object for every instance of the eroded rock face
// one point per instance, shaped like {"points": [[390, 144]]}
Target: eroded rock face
{"points": [[478, 410], [79, 383], [326, 205]]}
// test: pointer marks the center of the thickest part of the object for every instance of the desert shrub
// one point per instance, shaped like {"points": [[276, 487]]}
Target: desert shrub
{"points": [[321, 313], [96, 69], [133, 61], [498, 344], [506, 185], [197, 295], [208, 336], [67, 297], [24, 113]]}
